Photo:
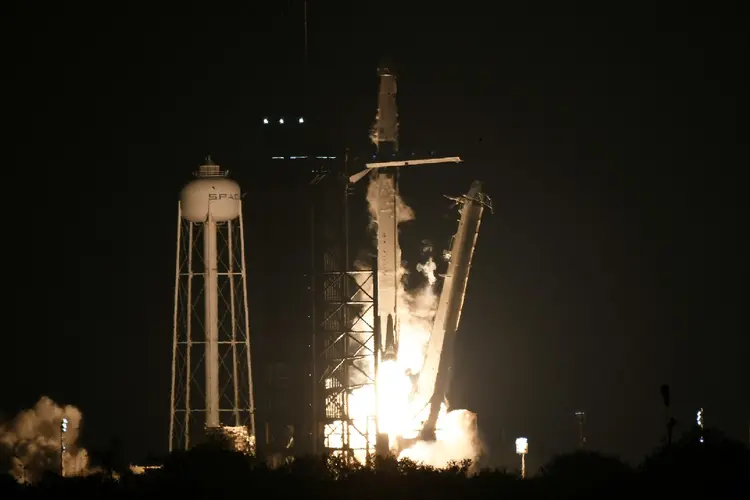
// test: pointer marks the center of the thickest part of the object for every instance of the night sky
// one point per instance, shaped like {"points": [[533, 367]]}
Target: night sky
{"points": [[612, 146]]}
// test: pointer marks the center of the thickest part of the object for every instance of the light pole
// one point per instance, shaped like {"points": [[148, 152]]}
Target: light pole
{"points": [[581, 417], [63, 430], [700, 421], [522, 448]]}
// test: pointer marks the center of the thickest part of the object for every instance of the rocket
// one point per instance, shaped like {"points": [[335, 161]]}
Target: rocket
{"points": [[384, 135]]}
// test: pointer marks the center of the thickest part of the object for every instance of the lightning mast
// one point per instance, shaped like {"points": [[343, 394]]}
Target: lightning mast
{"points": [[581, 419]]}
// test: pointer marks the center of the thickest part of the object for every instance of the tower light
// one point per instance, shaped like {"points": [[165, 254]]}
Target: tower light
{"points": [[63, 430]]}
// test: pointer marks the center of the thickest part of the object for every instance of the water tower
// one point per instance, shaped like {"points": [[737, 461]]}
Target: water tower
{"points": [[212, 384]]}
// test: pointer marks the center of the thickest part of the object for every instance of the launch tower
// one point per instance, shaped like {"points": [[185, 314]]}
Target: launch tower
{"points": [[343, 335], [212, 384]]}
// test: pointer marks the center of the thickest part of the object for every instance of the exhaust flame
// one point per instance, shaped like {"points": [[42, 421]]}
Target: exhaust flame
{"points": [[401, 411], [32, 443]]}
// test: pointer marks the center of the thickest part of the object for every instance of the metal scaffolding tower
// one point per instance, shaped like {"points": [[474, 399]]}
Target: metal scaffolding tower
{"points": [[343, 327]]}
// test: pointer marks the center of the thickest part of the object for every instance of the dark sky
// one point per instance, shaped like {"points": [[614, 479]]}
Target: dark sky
{"points": [[612, 146]]}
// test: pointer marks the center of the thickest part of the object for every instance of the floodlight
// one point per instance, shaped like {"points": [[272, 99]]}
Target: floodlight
{"points": [[63, 430], [522, 446]]}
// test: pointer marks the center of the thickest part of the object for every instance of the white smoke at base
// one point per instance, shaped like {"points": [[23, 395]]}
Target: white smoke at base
{"points": [[402, 412], [457, 441], [32, 442]]}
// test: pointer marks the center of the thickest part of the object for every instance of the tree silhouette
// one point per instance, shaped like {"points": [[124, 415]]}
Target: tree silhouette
{"points": [[716, 457], [715, 468]]}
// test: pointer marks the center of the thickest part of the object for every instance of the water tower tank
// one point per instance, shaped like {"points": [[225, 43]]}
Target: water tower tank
{"points": [[213, 191]]}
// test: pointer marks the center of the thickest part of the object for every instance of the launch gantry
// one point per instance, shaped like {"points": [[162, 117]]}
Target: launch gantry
{"points": [[343, 331]]}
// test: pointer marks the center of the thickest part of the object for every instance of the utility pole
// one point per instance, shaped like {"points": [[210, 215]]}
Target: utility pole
{"points": [[581, 418]]}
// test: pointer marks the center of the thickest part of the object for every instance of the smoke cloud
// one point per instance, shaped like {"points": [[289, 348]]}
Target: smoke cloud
{"points": [[381, 190], [30, 443], [428, 269], [458, 441]]}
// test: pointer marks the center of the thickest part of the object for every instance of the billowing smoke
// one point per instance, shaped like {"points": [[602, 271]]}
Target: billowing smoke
{"points": [[428, 269], [31, 442], [458, 441], [381, 188], [457, 437]]}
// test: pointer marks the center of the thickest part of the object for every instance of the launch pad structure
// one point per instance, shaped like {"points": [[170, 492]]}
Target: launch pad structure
{"points": [[343, 341], [355, 317]]}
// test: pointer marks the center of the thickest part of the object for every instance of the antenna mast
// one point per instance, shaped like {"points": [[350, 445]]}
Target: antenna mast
{"points": [[305, 15]]}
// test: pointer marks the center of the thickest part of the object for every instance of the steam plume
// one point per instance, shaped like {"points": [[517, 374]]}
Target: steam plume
{"points": [[31, 442], [428, 269], [458, 441], [380, 186]]}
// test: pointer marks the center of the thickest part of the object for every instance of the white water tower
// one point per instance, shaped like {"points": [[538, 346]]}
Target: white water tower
{"points": [[212, 383]]}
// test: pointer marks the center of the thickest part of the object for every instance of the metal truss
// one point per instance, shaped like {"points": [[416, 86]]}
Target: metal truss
{"points": [[236, 402], [343, 336], [347, 361]]}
